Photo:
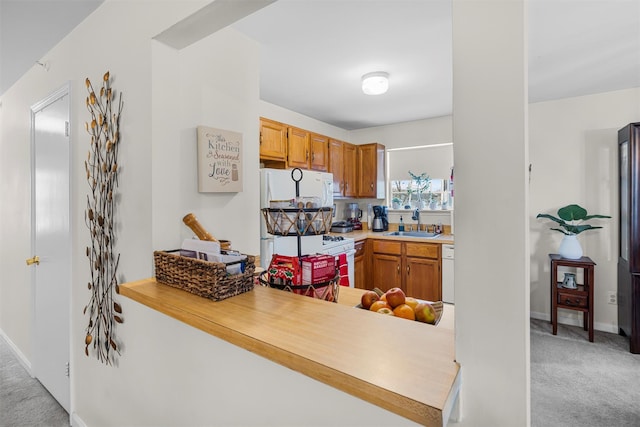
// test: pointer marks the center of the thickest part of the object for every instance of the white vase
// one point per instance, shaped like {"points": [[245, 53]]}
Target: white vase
{"points": [[570, 247]]}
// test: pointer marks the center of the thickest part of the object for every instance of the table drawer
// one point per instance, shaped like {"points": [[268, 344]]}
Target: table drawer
{"points": [[572, 300]]}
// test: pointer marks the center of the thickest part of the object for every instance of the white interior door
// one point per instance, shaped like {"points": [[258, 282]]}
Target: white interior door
{"points": [[51, 242]]}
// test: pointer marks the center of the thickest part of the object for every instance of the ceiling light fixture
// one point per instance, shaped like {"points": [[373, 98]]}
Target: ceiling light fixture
{"points": [[375, 83]]}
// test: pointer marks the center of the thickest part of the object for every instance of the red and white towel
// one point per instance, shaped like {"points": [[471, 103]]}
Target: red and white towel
{"points": [[343, 268]]}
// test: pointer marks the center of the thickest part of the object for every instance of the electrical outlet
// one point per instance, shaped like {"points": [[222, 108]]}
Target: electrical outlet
{"points": [[613, 297]]}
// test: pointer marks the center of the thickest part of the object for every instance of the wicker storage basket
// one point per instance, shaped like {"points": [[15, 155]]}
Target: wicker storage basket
{"points": [[202, 278]]}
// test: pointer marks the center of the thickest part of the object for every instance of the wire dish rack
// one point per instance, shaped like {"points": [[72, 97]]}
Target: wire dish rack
{"points": [[298, 221]]}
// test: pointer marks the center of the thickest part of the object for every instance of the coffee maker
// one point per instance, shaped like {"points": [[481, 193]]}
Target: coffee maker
{"points": [[380, 218]]}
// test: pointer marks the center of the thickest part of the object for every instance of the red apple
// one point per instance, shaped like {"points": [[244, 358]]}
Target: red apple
{"points": [[425, 313], [368, 298], [395, 297]]}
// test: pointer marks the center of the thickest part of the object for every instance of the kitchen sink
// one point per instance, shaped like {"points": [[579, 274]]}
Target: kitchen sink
{"points": [[424, 234]]}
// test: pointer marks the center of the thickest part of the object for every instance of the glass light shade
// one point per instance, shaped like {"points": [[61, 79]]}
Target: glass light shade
{"points": [[375, 83]]}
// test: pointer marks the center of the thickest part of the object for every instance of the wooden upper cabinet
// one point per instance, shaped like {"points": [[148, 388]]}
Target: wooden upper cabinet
{"points": [[371, 171], [342, 164], [350, 170], [298, 147], [319, 160], [273, 140], [336, 166]]}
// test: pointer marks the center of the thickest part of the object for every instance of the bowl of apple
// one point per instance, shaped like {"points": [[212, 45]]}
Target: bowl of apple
{"points": [[394, 302]]}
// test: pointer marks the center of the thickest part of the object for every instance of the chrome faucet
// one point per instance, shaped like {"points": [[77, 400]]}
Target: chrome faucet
{"points": [[416, 217]]}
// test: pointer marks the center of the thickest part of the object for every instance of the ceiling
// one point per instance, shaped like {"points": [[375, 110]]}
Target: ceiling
{"points": [[314, 52]]}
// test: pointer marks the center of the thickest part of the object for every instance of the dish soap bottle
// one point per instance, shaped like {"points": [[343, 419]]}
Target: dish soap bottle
{"points": [[401, 225]]}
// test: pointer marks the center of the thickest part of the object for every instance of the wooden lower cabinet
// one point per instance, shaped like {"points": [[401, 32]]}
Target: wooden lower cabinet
{"points": [[386, 271], [412, 267], [423, 279], [360, 268]]}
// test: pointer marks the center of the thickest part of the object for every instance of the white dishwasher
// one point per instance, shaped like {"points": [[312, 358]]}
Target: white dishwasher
{"points": [[447, 273]]}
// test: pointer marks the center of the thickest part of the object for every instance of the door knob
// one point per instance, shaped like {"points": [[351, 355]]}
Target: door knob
{"points": [[35, 260]]}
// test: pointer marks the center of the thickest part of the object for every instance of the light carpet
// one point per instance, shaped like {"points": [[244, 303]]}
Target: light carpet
{"points": [[24, 402], [578, 383]]}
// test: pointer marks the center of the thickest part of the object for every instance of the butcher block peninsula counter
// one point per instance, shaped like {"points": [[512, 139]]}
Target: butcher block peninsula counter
{"points": [[405, 367]]}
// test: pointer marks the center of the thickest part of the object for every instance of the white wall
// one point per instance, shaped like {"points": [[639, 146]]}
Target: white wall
{"points": [[491, 267], [84, 53], [280, 114], [574, 160], [436, 130], [212, 95]]}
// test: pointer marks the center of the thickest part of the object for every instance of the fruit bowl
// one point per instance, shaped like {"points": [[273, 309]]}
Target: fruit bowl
{"points": [[438, 308]]}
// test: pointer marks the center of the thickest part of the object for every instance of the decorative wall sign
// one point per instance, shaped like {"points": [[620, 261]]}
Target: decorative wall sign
{"points": [[101, 168], [219, 160]]}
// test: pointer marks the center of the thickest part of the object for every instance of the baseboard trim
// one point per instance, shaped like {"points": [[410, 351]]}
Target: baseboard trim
{"points": [[572, 321], [19, 355], [76, 421]]}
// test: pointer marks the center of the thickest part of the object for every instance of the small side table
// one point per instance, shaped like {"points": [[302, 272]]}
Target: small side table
{"points": [[579, 299]]}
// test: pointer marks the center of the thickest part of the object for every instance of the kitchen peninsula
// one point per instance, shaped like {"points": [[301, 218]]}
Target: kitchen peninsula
{"points": [[405, 367]]}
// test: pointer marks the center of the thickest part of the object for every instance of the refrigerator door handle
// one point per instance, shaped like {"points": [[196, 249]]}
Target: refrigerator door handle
{"points": [[328, 193], [268, 187]]}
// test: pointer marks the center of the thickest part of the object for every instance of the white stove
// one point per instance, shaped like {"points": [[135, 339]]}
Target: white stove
{"points": [[334, 245], [337, 245]]}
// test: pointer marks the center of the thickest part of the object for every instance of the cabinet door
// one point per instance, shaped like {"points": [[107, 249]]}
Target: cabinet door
{"points": [[371, 171], [366, 170], [423, 279], [319, 152], [386, 271], [298, 147], [273, 140], [336, 166], [350, 170], [359, 265]]}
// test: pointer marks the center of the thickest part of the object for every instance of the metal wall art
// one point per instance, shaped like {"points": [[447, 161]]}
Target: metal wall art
{"points": [[102, 175]]}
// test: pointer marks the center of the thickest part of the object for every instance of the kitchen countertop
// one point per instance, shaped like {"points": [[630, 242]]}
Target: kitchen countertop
{"points": [[358, 235], [405, 367]]}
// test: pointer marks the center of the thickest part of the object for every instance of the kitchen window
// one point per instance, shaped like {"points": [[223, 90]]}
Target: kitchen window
{"points": [[434, 160]]}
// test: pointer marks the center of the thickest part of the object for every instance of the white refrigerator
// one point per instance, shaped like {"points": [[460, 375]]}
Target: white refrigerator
{"points": [[278, 184]]}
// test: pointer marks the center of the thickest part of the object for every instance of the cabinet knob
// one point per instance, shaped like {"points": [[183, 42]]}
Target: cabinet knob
{"points": [[372, 185], [398, 268], [34, 260], [408, 269]]}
